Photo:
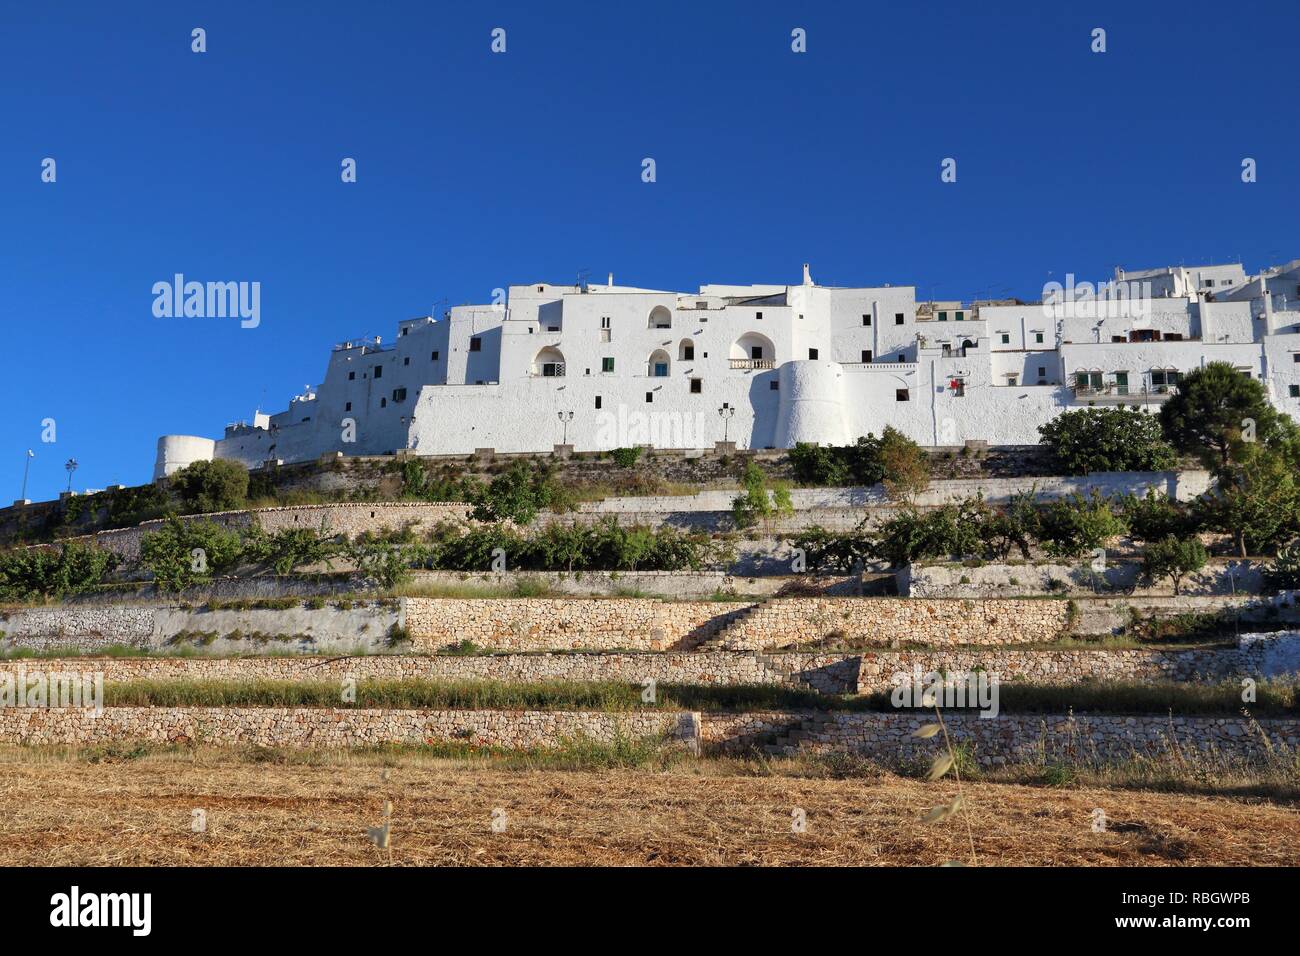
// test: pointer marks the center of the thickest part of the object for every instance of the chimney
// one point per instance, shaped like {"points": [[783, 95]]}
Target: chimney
{"points": [[807, 276], [611, 279]]}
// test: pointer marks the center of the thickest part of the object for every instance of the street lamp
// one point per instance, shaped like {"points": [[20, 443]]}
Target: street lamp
{"points": [[71, 465], [565, 418], [27, 467], [727, 413]]}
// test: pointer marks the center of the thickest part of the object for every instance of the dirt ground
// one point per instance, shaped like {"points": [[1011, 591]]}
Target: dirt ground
{"points": [[139, 812]]}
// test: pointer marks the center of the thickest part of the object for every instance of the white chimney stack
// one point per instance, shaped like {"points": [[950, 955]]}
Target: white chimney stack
{"points": [[807, 276]]}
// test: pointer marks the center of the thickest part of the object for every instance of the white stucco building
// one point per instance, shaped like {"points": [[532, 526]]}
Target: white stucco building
{"points": [[606, 366]]}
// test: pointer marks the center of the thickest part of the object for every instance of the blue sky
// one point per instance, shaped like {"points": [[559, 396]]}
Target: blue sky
{"points": [[478, 170]]}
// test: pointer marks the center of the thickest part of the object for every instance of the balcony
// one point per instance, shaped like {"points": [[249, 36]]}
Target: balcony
{"points": [[752, 363], [1122, 393], [548, 370]]}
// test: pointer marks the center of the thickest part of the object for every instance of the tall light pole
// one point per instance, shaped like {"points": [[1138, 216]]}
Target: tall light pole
{"points": [[71, 465], [565, 418], [27, 467], [727, 412]]}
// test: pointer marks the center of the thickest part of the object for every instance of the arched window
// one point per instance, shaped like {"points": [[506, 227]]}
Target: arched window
{"points": [[657, 366], [753, 350], [686, 351], [548, 363], [660, 318]]}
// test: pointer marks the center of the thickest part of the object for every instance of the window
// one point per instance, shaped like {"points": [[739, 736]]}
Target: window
{"points": [[774, 385], [812, 355], [1163, 377], [959, 316], [379, 371], [1012, 380], [1294, 391], [598, 401], [383, 403], [540, 288], [958, 386], [406, 361], [1038, 338], [1209, 283], [1118, 338], [943, 316], [900, 395], [347, 407], [649, 397], [604, 321], [552, 369], [1004, 338], [756, 351], [898, 318], [1173, 336], [866, 355], [404, 331], [661, 370], [901, 358], [607, 364], [352, 376], [866, 319], [433, 357], [399, 394], [688, 353], [476, 344], [1295, 356], [1042, 372], [697, 386], [759, 316]]}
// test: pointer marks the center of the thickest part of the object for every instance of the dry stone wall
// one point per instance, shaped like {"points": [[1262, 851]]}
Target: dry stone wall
{"points": [[1042, 578], [1005, 739], [525, 624], [335, 727]]}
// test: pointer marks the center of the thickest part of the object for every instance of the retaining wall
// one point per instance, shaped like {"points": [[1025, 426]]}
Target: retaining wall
{"points": [[1058, 578]]}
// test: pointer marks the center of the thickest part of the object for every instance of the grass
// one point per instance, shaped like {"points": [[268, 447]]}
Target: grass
{"points": [[1274, 698]]}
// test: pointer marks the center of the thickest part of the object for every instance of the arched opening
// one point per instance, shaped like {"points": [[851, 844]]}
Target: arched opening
{"points": [[753, 350], [549, 363], [686, 351], [660, 318], [657, 366]]}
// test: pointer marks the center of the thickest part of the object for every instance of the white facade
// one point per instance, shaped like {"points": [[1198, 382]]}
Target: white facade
{"points": [[602, 367]]}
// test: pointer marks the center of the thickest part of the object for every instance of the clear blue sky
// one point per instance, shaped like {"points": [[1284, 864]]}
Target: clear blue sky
{"points": [[478, 170]]}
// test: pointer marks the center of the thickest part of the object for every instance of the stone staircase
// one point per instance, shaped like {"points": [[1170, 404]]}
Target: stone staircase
{"points": [[715, 633], [804, 731]]}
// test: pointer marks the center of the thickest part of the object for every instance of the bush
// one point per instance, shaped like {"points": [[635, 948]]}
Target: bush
{"points": [[856, 464], [1073, 526], [27, 573], [1107, 439], [207, 486], [626, 457], [917, 536], [1173, 558], [1284, 573], [1154, 517], [420, 483], [756, 501], [183, 553], [287, 549], [829, 552], [905, 467], [518, 494]]}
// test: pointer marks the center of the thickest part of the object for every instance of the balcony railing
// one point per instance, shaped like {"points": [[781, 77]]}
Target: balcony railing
{"points": [[549, 370], [753, 363], [1120, 392]]}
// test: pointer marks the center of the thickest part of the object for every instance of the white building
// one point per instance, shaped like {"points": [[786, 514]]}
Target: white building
{"points": [[766, 366]]}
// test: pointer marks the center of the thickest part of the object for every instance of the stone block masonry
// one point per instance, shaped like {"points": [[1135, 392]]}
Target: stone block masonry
{"points": [[337, 728]]}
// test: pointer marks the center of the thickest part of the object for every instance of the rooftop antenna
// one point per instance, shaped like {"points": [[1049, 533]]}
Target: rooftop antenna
{"points": [[433, 313]]}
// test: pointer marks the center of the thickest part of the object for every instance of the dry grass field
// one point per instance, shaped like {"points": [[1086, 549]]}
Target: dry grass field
{"points": [[75, 809]]}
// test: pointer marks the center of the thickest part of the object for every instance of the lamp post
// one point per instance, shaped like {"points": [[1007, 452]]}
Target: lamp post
{"points": [[726, 412], [71, 465], [27, 467], [565, 418]]}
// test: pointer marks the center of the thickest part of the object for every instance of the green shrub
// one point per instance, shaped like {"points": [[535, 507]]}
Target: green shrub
{"points": [[1072, 526], [206, 486], [183, 553], [1173, 558], [626, 457], [1284, 573], [1107, 439], [26, 573]]}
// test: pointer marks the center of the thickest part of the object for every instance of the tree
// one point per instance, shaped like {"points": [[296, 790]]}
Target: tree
{"points": [[904, 464], [515, 495], [1217, 409], [207, 486], [1256, 500], [759, 501], [26, 573], [1173, 558], [1154, 517], [1284, 573], [181, 553], [1072, 526], [1107, 439]]}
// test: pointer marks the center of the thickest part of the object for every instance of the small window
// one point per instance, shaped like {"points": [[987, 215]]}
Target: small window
{"points": [[404, 331], [406, 361], [476, 344], [1295, 356], [607, 364], [759, 316], [697, 386], [1038, 338], [1005, 338], [598, 401], [756, 351], [649, 397], [943, 316], [604, 321], [866, 318], [898, 318], [688, 353], [383, 403], [347, 407], [541, 288], [812, 355], [901, 357], [399, 394], [866, 355], [959, 316], [1042, 372], [379, 371], [774, 385], [352, 376], [1294, 390], [433, 357], [900, 395]]}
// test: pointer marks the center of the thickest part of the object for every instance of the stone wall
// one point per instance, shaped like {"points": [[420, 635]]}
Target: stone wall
{"points": [[667, 584], [886, 622], [1007, 738], [956, 580], [335, 727], [525, 624]]}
